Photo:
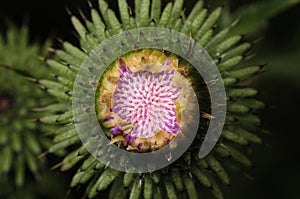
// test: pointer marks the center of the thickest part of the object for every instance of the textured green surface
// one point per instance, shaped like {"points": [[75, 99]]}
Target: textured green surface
{"points": [[21, 140]]}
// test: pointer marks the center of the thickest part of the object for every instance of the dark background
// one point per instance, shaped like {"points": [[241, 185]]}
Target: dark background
{"points": [[277, 163]]}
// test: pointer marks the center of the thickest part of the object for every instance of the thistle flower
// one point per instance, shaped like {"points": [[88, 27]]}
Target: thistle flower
{"points": [[20, 143], [133, 93], [147, 100]]}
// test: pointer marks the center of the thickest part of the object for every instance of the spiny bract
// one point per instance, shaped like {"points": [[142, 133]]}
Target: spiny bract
{"points": [[180, 179], [20, 140]]}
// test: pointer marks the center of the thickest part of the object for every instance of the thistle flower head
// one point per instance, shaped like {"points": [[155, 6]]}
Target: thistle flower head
{"points": [[140, 102], [140, 99]]}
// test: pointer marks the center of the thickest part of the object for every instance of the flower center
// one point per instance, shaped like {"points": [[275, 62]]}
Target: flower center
{"points": [[147, 101]]}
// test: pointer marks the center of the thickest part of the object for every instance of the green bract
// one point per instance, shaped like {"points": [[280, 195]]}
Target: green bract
{"points": [[20, 140], [181, 178]]}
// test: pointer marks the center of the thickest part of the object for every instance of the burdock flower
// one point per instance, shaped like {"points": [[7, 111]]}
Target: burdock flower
{"points": [[20, 141], [144, 99]]}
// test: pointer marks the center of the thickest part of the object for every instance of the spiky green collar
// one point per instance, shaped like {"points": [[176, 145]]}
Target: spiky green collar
{"points": [[180, 179]]}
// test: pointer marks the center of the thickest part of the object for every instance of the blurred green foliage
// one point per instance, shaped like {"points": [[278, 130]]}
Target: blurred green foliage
{"points": [[255, 16]]}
